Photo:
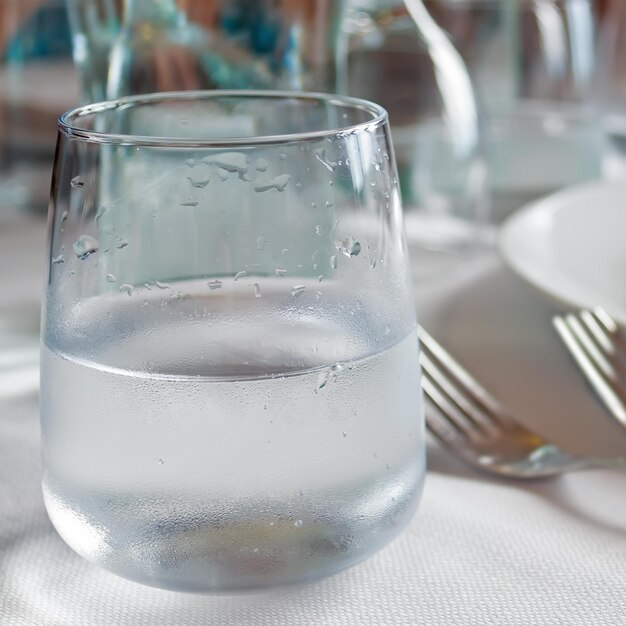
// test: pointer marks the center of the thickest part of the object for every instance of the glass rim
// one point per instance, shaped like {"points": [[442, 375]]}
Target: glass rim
{"points": [[67, 120]]}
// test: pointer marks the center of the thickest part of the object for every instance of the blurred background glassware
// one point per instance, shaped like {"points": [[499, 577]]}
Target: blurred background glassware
{"points": [[398, 56], [37, 84], [610, 85], [533, 62], [242, 408], [94, 24], [173, 45]]}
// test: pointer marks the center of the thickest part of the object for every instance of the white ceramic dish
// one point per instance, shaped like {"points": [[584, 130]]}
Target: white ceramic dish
{"points": [[572, 245]]}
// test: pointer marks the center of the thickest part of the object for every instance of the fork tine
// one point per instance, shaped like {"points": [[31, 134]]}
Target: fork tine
{"points": [[448, 417], [474, 390], [467, 410], [606, 334], [602, 386]]}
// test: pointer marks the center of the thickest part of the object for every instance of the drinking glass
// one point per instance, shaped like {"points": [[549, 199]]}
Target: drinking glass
{"points": [[230, 389]]}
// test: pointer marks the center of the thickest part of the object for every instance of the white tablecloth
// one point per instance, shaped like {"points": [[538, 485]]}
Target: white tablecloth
{"points": [[480, 550]]}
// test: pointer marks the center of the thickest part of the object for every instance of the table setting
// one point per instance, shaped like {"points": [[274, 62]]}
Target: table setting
{"points": [[258, 367]]}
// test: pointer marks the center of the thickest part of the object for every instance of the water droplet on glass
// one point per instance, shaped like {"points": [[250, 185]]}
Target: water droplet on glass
{"points": [[190, 162], [377, 167], [298, 523], [122, 244], [298, 290], [161, 285], [71, 273], [318, 230], [230, 162], [344, 434], [110, 278], [329, 375], [127, 288], [260, 242], [333, 261], [387, 330], [84, 246], [261, 165], [328, 204], [373, 263], [189, 203], [198, 183], [148, 286], [279, 183], [320, 278], [64, 216], [285, 251], [350, 246], [241, 274], [325, 161], [214, 284], [282, 156], [280, 271], [257, 290], [77, 182], [161, 461], [58, 259]]}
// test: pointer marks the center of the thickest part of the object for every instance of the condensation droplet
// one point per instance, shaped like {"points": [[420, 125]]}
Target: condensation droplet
{"points": [[298, 523], [190, 162], [214, 284], [198, 183], [189, 203], [373, 263], [329, 375], [318, 230], [161, 461], [64, 216], [350, 246], [161, 285], [298, 290], [279, 183], [328, 204], [320, 278], [344, 434], [261, 165], [77, 182], [110, 278], [282, 156], [241, 274], [230, 162], [148, 286], [285, 251], [85, 246], [122, 244], [280, 271], [257, 290], [260, 242], [127, 288], [333, 261], [325, 161]]}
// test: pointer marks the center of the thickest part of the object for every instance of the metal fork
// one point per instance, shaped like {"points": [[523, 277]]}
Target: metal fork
{"points": [[594, 341], [471, 423]]}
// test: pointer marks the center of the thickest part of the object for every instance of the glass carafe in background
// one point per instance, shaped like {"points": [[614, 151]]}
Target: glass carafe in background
{"points": [[398, 56], [610, 86], [37, 83], [172, 45], [532, 62], [95, 25]]}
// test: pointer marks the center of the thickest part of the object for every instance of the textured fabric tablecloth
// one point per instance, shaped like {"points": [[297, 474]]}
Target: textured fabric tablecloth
{"points": [[480, 550]]}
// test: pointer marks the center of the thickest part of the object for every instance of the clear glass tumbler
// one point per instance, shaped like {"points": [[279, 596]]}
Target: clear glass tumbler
{"points": [[230, 389]]}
